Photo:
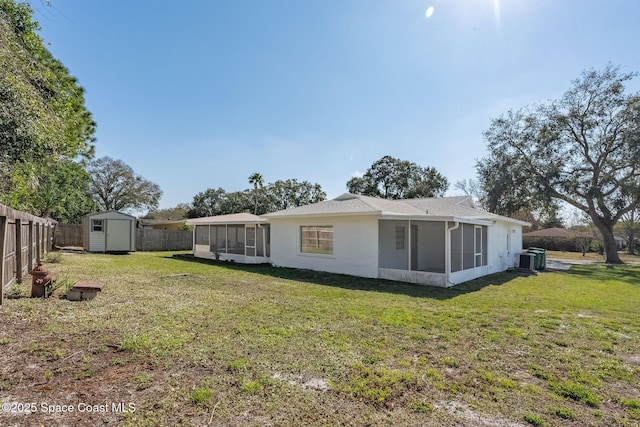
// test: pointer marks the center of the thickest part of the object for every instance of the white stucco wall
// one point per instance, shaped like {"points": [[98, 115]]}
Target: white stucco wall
{"points": [[502, 257], [355, 245]]}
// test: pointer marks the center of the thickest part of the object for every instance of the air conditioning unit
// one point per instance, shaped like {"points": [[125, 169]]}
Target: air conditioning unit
{"points": [[527, 262]]}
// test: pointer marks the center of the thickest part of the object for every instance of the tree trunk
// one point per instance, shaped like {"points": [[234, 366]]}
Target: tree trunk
{"points": [[610, 247]]}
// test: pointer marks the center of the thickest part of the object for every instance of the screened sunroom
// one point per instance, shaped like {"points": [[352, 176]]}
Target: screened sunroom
{"points": [[242, 238], [441, 253]]}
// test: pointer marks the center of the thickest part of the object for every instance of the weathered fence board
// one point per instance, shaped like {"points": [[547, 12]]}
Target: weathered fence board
{"points": [[24, 238], [149, 239], [68, 235]]}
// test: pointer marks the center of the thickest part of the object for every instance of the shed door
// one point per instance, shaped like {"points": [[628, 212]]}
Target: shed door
{"points": [[118, 235]]}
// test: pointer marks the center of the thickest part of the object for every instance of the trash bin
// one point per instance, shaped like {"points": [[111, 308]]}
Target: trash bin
{"points": [[541, 258]]}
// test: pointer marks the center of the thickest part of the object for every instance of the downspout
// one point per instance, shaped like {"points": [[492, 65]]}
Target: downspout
{"points": [[447, 245], [193, 240]]}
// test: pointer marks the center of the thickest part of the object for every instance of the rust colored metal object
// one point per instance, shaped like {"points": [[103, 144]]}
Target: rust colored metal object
{"points": [[40, 278]]}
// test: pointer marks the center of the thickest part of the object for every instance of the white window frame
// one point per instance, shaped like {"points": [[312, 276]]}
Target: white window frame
{"points": [[97, 225], [319, 251]]}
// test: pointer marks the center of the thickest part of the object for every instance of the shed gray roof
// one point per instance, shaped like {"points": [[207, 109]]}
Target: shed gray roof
{"points": [[110, 211], [427, 208]]}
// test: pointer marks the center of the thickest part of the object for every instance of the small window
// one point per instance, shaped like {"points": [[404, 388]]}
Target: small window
{"points": [[316, 239], [96, 225], [400, 237]]}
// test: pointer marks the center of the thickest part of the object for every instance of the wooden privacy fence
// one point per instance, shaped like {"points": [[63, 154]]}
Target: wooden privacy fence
{"points": [[24, 239], [149, 239], [68, 235]]}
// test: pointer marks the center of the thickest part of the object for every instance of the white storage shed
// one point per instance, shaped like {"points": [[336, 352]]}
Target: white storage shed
{"points": [[109, 231]]}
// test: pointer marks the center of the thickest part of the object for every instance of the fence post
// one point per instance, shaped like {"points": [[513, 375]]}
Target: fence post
{"points": [[52, 229], [3, 237], [38, 242], [18, 250], [30, 245], [46, 243]]}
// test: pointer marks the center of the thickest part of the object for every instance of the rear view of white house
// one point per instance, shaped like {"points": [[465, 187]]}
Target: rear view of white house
{"points": [[435, 241]]}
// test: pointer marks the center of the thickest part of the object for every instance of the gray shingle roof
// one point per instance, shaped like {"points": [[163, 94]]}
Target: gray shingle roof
{"points": [[351, 204]]}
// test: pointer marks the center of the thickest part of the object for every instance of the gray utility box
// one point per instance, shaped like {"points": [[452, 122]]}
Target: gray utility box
{"points": [[527, 262]]}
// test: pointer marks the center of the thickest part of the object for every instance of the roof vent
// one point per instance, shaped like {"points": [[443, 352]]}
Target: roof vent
{"points": [[346, 196]]}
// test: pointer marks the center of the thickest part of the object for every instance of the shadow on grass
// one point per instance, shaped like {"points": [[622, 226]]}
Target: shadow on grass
{"points": [[607, 272], [344, 281]]}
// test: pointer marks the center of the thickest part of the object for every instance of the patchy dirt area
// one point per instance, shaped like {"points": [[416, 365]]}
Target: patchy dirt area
{"points": [[471, 418], [64, 379]]}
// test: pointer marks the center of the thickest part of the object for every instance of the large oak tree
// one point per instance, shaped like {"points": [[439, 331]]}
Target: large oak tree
{"points": [[583, 149], [392, 178], [115, 186]]}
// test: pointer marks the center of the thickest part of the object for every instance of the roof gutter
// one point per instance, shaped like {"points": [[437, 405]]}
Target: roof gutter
{"points": [[441, 218], [322, 215]]}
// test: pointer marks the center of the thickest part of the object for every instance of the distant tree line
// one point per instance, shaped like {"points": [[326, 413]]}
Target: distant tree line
{"points": [[388, 177], [275, 196]]}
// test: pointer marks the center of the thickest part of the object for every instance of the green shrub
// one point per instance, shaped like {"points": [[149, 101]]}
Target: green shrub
{"points": [[238, 365], [565, 413], [253, 387], [422, 407], [577, 392], [534, 420], [633, 407], [53, 257], [201, 395]]}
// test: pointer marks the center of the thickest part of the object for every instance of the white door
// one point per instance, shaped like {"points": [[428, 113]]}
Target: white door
{"points": [[118, 235]]}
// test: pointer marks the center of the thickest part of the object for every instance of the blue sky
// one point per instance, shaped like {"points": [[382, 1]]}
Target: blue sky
{"points": [[202, 93]]}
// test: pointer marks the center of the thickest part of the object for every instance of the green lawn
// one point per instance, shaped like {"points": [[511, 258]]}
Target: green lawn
{"points": [[196, 343]]}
